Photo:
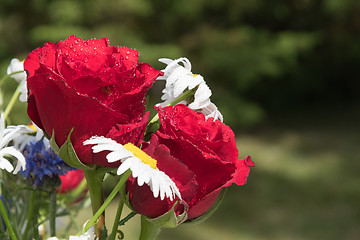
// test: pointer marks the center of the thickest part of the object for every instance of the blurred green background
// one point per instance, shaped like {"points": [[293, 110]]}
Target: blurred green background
{"points": [[283, 73]]}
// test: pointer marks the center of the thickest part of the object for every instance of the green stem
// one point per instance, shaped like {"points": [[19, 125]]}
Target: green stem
{"points": [[101, 209], [12, 102], [35, 227], [2, 80], [30, 214], [6, 219], [127, 218], [117, 219], [152, 126], [52, 213], [97, 199], [149, 231], [186, 94]]}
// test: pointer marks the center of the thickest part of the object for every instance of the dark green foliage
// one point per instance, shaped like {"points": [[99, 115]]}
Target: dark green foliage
{"points": [[258, 56]]}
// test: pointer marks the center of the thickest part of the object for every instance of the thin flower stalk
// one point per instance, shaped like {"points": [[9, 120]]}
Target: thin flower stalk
{"points": [[101, 209]]}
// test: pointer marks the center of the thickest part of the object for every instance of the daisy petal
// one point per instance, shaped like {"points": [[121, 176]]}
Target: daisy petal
{"points": [[5, 164], [154, 186], [180, 79], [21, 164], [159, 183]]}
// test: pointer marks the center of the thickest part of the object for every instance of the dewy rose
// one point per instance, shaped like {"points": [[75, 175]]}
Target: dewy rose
{"points": [[90, 87], [199, 155]]}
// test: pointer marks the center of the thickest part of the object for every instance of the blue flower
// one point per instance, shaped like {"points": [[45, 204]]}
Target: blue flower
{"points": [[42, 163]]}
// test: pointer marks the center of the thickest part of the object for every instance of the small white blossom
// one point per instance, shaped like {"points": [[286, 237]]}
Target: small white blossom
{"points": [[88, 235], [18, 66], [179, 79], [6, 136], [158, 181]]}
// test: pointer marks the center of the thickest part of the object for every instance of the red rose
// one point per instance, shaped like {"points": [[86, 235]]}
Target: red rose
{"points": [[200, 156], [71, 180], [91, 87]]}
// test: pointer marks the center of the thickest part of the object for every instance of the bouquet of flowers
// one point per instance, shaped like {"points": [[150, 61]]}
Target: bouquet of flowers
{"points": [[87, 102]]}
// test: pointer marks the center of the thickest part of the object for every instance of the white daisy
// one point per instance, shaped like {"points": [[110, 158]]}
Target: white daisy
{"points": [[179, 79], [18, 66], [6, 136], [142, 166], [23, 138]]}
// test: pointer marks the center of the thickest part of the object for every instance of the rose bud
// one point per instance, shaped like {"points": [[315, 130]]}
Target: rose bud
{"points": [[73, 188], [199, 155], [71, 180], [89, 88]]}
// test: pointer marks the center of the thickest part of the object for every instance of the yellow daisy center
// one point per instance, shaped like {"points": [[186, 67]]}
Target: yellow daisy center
{"points": [[141, 155], [32, 127], [194, 75]]}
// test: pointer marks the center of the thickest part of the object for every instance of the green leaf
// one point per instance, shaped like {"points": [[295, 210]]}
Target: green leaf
{"points": [[169, 219], [67, 153], [53, 144]]}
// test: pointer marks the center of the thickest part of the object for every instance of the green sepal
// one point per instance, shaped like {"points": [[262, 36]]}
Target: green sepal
{"points": [[67, 153], [53, 144], [149, 231], [101, 171], [169, 219], [210, 212]]}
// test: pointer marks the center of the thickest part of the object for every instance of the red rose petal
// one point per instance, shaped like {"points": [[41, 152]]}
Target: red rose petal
{"points": [[126, 57], [33, 112], [90, 87], [242, 171], [41, 56], [211, 173], [132, 132], [206, 148], [203, 205], [91, 53], [211, 137], [60, 109], [142, 199]]}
